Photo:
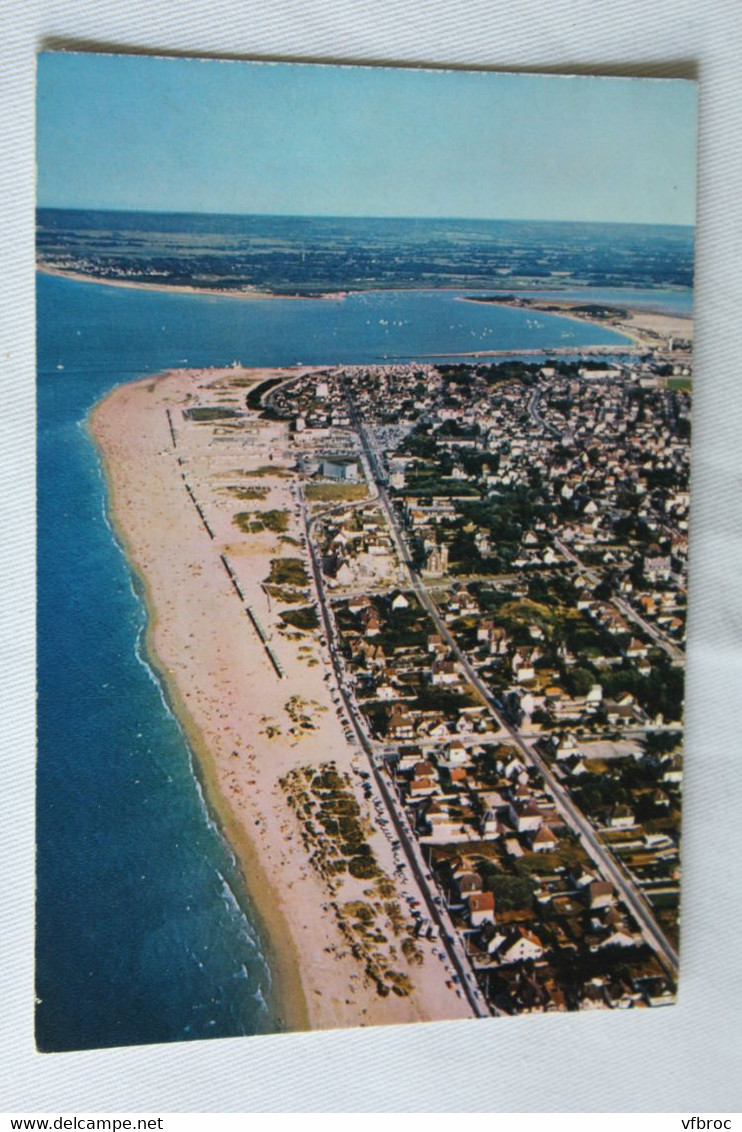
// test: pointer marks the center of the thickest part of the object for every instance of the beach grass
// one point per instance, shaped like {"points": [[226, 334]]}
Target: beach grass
{"points": [[305, 618], [253, 522], [335, 492], [288, 572]]}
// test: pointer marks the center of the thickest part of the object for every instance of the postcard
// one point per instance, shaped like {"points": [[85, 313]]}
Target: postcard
{"points": [[363, 450]]}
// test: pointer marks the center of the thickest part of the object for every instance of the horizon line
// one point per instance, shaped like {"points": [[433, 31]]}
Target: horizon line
{"points": [[341, 216]]}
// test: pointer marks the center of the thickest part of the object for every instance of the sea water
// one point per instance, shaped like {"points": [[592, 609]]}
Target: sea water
{"points": [[144, 930]]}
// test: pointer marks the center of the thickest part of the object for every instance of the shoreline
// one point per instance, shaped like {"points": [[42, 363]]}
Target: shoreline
{"points": [[287, 1001], [210, 663], [642, 326], [645, 329], [539, 305], [252, 294], [249, 295]]}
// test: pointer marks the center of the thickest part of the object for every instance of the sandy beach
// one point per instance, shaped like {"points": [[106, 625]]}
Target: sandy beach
{"points": [[254, 694], [647, 329]]}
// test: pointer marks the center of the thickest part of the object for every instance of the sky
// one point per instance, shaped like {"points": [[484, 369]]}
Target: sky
{"points": [[188, 135]]}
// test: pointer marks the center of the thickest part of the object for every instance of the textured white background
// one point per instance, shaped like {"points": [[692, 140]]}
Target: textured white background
{"points": [[685, 1058]]}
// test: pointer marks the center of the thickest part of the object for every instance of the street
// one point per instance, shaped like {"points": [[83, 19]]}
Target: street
{"points": [[609, 866]]}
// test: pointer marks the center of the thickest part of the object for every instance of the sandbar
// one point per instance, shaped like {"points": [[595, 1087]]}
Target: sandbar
{"points": [[246, 293]]}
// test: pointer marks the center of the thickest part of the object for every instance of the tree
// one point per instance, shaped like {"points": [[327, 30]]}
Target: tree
{"points": [[579, 681]]}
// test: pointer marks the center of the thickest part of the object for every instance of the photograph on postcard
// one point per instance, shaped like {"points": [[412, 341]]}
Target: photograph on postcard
{"points": [[363, 457]]}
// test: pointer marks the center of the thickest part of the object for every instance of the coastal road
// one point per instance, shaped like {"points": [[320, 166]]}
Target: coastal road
{"points": [[632, 897], [449, 938]]}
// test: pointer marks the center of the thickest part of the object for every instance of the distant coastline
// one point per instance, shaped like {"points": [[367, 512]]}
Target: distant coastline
{"points": [[174, 288], [646, 328]]}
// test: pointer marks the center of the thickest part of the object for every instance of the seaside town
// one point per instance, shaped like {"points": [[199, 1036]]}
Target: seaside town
{"points": [[466, 586], [364, 404]]}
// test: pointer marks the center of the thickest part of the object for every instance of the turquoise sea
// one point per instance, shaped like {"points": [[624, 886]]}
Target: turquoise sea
{"points": [[144, 930]]}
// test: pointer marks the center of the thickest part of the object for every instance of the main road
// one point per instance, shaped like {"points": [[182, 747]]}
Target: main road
{"points": [[437, 913], [535, 415], [606, 862]]}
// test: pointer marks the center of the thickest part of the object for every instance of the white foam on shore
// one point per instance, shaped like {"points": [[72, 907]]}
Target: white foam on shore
{"points": [[247, 932], [233, 906]]}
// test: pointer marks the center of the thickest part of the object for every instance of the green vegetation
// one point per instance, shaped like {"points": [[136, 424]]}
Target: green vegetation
{"points": [[505, 518], [511, 891], [665, 901], [305, 618], [335, 492], [335, 833], [662, 742], [276, 521], [268, 470], [448, 703], [248, 492], [300, 712], [661, 693], [255, 395], [324, 801], [406, 629], [246, 523], [594, 310], [628, 782], [253, 522], [288, 572], [363, 868], [286, 594], [210, 413], [428, 477]]}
